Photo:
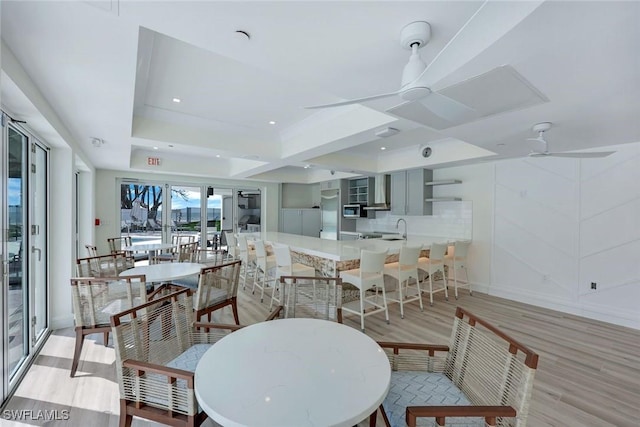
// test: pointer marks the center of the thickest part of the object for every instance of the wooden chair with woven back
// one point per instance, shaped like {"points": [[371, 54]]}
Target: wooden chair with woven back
{"points": [[218, 288], [158, 346], [110, 265], [483, 377], [95, 299]]}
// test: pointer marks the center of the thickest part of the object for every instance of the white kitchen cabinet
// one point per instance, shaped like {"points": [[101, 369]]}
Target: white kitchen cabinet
{"points": [[409, 193], [305, 222]]}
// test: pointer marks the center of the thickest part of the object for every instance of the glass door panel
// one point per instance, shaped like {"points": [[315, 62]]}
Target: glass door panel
{"points": [[16, 293], [186, 221], [39, 253], [248, 211], [141, 212], [219, 215]]}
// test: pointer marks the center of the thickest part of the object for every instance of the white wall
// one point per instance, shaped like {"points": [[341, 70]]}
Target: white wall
{"points": [[108, 199], [61, 237], [561, 224]]}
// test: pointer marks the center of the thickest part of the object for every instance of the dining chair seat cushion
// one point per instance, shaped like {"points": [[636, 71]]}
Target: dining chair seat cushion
{"points": [[189, 281], [419, 388], [187, 361]]}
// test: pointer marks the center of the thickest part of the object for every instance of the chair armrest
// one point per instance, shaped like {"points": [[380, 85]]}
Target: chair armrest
{"points": [[413, 346], [490, 413], [146, 367], [207, 326], [274, 314]]}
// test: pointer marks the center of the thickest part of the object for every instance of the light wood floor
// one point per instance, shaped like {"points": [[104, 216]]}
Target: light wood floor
{"points": [[588, 375]]}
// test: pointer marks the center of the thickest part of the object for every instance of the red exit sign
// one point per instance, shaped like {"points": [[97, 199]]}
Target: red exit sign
{"points": [[153, 161]]}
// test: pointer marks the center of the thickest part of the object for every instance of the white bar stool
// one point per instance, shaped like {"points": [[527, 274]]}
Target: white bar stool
{"points": [[370, 275], [285, 267], [264, 264], [403, 270], [248, 258], [457, 262], [432, 265]]}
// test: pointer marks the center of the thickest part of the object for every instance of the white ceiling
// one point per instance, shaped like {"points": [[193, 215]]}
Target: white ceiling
{"points": [[110, 70]]}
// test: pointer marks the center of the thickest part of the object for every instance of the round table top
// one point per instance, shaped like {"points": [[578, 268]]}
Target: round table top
{"points": [[148, 247], [165, 271], [292, 372]]}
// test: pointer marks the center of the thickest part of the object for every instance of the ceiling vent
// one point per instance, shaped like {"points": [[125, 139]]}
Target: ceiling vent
{"points": [[387, 132]]}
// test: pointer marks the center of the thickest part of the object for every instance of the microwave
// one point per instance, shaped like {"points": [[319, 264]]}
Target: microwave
{"points": [[353, 211]]}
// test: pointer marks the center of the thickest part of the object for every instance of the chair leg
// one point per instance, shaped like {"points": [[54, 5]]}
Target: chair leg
{"points": [[234, 307], [106, 339], [444, 281], [430, 288], [419, 290], [373, 418], [384, 301], [125, 419], [362, 296], [77, 351], [400, 297]]}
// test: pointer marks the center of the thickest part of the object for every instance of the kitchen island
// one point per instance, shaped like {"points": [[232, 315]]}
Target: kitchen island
{"points": [[329, 257]]}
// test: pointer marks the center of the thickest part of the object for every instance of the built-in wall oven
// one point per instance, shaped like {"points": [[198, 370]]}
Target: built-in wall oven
{"points": [[353, 211]]}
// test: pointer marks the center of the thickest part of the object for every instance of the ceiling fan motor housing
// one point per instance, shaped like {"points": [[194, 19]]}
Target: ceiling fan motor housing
{"points": [[416, 32]]}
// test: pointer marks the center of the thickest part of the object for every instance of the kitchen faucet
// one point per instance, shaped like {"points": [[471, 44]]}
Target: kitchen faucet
{"points": [[404, 235]]}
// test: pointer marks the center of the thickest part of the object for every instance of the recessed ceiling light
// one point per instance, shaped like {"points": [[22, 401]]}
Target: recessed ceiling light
{"points": [[272, 122], [217, 155], [155, 148], [383, 148], [177, 100], [501, 145], [170, 145], [307, 166]]}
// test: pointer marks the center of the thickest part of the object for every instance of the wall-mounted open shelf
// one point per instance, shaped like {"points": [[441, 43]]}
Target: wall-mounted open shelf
{"points": [[443, 199], [443, 182]]}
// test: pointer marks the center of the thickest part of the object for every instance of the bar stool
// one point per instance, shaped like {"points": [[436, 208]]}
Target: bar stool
{"points": [[369, 276], [403, 270], [248, 258], [457, 260], [285, 267], [232, 245], [432, 265], [264, 264]]}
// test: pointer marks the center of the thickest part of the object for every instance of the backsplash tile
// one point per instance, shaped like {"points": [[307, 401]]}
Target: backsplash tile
{"points": [[451, 220]]}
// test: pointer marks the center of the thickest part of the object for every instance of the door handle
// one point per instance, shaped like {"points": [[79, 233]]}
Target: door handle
{"points": [[34, 249]]}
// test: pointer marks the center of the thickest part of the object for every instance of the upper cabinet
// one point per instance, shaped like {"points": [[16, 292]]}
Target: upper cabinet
{"points": [[361, 190], [409, 194]]}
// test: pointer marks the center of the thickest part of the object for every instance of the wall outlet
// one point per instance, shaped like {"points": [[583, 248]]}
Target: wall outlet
{"points": [[594, 285]]}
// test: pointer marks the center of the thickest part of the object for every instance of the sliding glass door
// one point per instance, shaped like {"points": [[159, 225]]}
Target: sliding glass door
{"points": [[24, 249]]}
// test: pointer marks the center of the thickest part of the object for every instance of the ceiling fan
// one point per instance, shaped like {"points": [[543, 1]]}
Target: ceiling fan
{"points": [[415, 81], [490, 22], [541, 128]]}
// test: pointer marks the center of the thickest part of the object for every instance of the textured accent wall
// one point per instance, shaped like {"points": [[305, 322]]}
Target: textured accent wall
{"points": [[560, 224]]}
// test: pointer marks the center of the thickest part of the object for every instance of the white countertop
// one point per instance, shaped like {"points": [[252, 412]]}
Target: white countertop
{"points": [[292, 372], [344, 250]]}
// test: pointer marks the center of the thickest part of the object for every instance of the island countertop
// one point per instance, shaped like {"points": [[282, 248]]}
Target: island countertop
{"points": [[344, 250]]}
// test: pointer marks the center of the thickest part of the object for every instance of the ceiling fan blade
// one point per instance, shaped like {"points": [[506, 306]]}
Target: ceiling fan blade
{"points": [[490, 22], [353, 101], [593, 155], [447, 108], [538, 154]]}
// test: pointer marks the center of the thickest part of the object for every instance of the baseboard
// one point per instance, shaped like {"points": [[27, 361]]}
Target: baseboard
{"points": [[621, 318]]}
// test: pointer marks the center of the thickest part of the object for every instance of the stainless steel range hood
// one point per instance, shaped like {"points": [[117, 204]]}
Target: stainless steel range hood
{"points": [[382, 194]]}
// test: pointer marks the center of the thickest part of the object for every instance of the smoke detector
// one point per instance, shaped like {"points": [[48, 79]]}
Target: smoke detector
{"points": [[386, 132]]}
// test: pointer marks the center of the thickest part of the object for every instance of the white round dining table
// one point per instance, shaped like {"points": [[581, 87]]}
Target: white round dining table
{"points": [[165, 272], [292, 372]]}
